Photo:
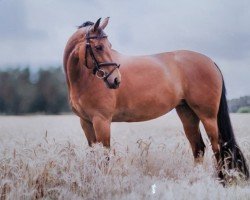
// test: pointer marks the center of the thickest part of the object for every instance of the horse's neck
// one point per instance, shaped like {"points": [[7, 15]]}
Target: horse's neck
{"points": [[74, 70]]}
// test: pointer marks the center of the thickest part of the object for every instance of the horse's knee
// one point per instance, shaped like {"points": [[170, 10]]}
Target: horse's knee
{"points": [[102, 130]]}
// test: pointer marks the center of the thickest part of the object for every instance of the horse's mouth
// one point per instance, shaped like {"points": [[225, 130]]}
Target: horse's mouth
{"points": [[111, 86]]}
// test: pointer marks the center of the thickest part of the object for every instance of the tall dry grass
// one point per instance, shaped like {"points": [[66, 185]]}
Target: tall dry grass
{"points": [[48, 161]]}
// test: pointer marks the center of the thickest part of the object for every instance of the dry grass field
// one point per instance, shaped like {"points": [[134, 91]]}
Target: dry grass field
{"points": [[48, 157]]}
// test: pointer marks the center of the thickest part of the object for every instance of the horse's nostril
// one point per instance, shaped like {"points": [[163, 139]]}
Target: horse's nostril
{"points": [[116, 81]]}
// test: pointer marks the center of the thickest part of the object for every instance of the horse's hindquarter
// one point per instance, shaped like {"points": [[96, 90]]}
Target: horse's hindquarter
{"points": [[202, 80], [149, 89]]}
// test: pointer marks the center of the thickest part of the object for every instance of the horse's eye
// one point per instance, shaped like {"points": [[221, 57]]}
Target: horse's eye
{"points": [[99, 48]]}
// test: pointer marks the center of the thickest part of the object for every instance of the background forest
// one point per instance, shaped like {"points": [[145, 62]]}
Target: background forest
{"points": [[23, 91]]}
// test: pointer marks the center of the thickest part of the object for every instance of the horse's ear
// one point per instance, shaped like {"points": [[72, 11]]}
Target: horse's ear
{"points": [[96, 25], [104, 23]]}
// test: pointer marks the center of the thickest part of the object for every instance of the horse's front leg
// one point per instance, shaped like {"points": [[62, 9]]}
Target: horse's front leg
{"points": [[102, 130], [89, 131]]}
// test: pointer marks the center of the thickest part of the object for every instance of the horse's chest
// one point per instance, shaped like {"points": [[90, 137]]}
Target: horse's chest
{"points": [[79, 108], [87, 106]]}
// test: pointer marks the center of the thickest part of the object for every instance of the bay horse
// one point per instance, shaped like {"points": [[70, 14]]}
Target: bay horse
{"points": [[105, 86]]}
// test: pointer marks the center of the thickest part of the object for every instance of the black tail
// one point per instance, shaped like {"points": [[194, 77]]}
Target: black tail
{"points": [[230, 153]]}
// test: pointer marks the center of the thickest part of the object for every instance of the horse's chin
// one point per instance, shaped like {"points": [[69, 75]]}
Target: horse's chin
{"points": [[111, 86]]}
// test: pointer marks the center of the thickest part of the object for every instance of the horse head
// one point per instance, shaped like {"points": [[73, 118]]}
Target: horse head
{"points": [[98, 54]]}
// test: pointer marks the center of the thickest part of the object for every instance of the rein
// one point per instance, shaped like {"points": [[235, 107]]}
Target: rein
{"points": [[97, 66]]}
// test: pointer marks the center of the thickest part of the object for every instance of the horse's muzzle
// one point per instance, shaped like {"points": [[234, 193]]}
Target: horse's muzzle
{"points": [[113, 85]]}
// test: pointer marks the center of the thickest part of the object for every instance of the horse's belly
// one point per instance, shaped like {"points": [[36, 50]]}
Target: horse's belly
{"points": [[142, 112], [131, 117]]}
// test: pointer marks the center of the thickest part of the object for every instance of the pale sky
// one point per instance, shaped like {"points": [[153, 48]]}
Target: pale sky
{"points": [[34, 32]]}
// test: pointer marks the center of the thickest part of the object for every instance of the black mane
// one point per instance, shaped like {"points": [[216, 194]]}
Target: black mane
{"points": [[87, 23]]}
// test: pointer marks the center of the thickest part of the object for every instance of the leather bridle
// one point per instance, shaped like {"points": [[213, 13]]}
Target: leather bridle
{"points": [[97, 65]]}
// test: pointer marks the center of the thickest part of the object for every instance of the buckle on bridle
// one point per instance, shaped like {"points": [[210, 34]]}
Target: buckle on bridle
{"points": [[101, 74]]}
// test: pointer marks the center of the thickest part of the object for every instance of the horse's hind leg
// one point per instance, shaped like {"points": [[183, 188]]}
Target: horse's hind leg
{"points": [[211, 127], [190, 123], [208, 116]]}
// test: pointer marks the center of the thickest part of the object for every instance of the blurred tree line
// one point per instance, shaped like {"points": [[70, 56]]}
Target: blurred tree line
{"points": [[44, 91], [240, 105]]}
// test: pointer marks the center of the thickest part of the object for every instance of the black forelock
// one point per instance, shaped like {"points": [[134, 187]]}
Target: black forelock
{"points": [[87, 23]]}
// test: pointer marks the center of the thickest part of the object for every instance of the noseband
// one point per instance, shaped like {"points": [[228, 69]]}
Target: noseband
{"points": [[97, 65]]}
